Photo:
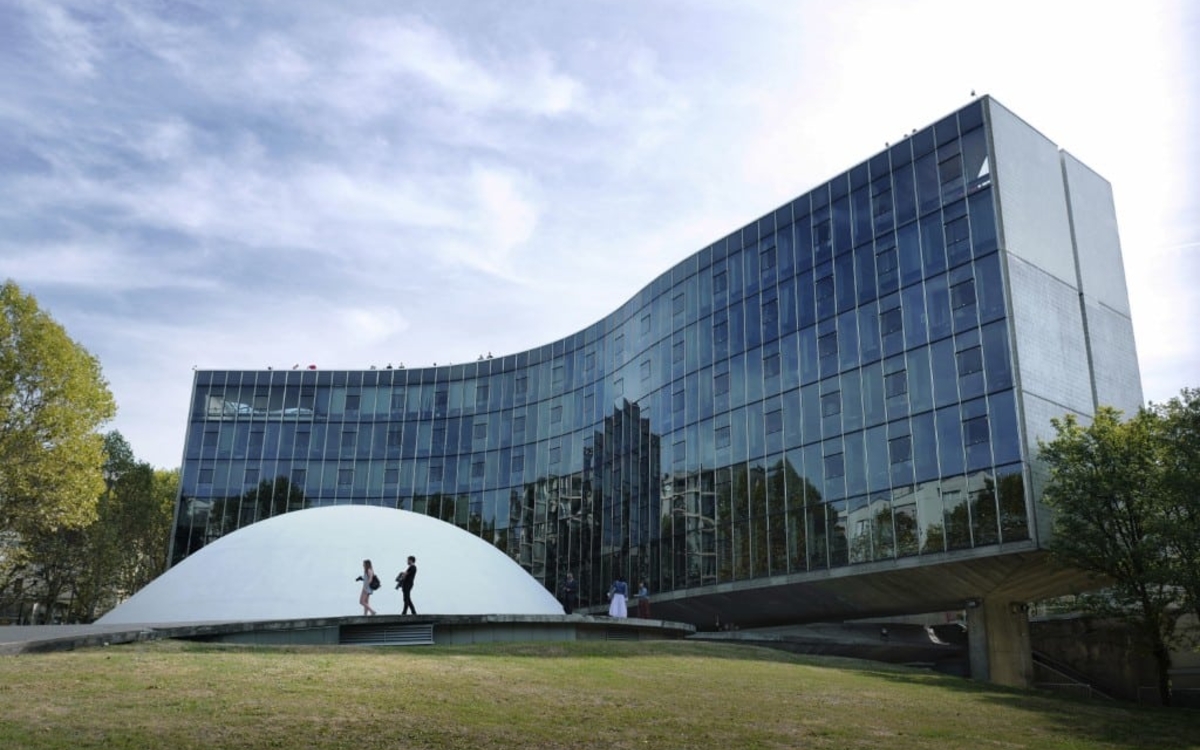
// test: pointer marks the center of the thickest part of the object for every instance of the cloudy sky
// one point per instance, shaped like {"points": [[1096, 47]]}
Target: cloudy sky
{"points": [[243, 185]]}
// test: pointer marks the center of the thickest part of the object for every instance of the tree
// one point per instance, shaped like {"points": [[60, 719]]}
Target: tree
{"points": [[53, 398], [1179, 431], [126, 546], [1105, 484]]}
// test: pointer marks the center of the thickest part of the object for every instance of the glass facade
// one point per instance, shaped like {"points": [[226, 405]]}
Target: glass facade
{"points": [[830, 385]]}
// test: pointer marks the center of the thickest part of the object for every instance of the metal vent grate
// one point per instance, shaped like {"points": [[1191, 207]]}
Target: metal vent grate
{"points": [[620, 634], [417, 634]]}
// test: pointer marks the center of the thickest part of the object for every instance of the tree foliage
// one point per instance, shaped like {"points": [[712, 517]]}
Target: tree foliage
{"points": [[1127, 510], [53, 398], [126, 546]]}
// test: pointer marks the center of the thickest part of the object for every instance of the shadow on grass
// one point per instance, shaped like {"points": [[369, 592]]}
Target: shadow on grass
{"points": [[1112, 723]]}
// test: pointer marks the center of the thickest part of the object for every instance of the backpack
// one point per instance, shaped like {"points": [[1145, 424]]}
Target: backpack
{"points": [[374, 582]]}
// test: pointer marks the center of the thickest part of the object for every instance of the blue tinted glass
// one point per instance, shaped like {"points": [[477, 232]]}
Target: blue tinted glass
{"points": [[912, 302], [873, 394], [945, 372], [855, 456], [843, 275], [868, 332], [860, 206], [904, 193], [878, 460], [929, 194], [950, 442], [852, 408], [848, 351], [908, 250], [995, 356], [989, 288], [1006, 439], [864, 263], [937, 307], [933, 248]]}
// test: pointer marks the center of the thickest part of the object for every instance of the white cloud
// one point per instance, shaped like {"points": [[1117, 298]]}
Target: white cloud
{"points": [[71, 46]]}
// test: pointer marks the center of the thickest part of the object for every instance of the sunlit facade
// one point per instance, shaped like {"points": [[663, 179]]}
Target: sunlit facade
{"points": [[855, 378]]}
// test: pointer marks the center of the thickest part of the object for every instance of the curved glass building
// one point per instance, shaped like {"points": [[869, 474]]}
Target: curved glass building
{"points": [[829, 411]]}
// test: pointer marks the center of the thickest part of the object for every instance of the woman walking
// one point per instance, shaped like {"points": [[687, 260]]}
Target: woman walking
{"points": [[364, 598]]}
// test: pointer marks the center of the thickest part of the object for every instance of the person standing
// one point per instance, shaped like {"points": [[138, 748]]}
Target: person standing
{"points": [[643, 601], [616, 595], [365, 597], [570, 594], [405, 582]]}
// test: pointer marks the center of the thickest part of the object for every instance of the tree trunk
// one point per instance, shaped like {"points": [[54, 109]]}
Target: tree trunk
{"points": [[1162, 658]]}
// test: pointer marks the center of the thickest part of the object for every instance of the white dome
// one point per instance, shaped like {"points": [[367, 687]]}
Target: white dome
{"points": [[303, 564]]}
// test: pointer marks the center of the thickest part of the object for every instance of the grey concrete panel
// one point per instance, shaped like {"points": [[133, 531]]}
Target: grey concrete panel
{"points": [[1097, 245], [1051, 349], [1033, 203], [1114, 358]]}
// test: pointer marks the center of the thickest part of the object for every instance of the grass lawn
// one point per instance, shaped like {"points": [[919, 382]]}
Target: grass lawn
{"points": [[667, 694]]}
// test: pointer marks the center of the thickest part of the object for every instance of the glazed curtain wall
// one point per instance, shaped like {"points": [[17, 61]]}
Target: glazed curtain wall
{"points": [[830, 385]]}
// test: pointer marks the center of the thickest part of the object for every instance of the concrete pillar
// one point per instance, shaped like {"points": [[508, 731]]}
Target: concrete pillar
{"points": [[998, 643]]}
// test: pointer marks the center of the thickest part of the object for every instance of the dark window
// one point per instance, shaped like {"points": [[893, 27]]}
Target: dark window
{"points": [[559, 373], [721, 384], [720, 282], [391, 475], [835, 466], [885, 261], [435, 471], [206, 476], [398, 398], [346, 477], [825, 288], [900, 449], [774, 422], [477, 469], [767, 258], [589, 361], [299, 477], [677, 306], [393, 438], [518, 462], [895, 384], [975, 431], [831, 404], [721, 332], [958, 236], [891, 321], [522, 385], [722, 436], [348, 438], [963, 295], [479, 431], [519, 424], [556, 414], [677, 352], [970, 360], [827, 345], [352, 401], [646, 370], [645, 324], [481, 397], [771, 365]]}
